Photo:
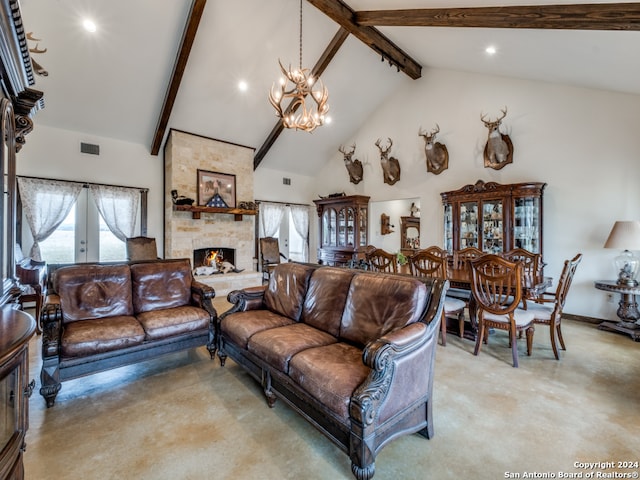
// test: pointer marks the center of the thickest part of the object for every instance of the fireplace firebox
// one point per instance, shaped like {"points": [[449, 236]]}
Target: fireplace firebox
{"points": [[202, 256]]}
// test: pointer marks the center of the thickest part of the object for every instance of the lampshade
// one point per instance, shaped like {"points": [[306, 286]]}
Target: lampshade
{"points": [[625, 235]]}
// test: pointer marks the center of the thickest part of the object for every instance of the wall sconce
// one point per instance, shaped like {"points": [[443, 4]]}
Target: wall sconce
{"points": [[385, 225]]}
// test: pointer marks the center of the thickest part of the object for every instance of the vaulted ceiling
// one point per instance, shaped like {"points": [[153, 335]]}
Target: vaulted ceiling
{"points": [[114, 83]]}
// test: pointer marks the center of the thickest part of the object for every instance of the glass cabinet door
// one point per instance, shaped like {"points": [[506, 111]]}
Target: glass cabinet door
{"points": [[492, 226], [362, 226], [329, 227], [448, 228], [468, 225], [351, 224], [526, 224], [342, 228]]}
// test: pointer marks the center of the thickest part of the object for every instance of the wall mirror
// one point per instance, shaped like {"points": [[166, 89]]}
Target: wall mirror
{"points": [[409, 235]]}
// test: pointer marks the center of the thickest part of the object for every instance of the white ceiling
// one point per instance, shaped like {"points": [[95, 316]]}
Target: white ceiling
{"points": [[113, 83]]}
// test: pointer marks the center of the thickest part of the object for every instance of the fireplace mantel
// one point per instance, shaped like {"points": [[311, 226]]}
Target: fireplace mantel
{"points": [[197, 211]]}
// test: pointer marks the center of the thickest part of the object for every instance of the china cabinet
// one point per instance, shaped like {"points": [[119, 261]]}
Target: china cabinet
{"points": [[342, 228], [493, 217]]}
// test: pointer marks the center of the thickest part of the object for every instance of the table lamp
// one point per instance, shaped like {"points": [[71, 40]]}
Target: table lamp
{"points": [[625, 235]]}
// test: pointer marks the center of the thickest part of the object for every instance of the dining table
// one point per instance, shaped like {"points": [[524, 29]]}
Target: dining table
{"points": [[460, 287]]}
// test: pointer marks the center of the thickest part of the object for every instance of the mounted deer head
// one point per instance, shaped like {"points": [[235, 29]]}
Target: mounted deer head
{"points": [[498, 151], [390, 166], [36, 66], [437, 154], [354, 167]]}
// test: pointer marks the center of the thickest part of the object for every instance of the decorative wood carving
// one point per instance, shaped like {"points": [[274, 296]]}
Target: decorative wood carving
{"points": [[385, 224]]}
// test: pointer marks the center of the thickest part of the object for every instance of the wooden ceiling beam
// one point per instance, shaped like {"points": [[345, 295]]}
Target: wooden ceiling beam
{"points": [[344, 16], [596, 16], [317, 70], [188, 37]]}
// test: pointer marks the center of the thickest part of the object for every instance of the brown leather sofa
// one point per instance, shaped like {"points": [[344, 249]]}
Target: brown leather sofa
{"points": [[352, 351], [118, 314]]}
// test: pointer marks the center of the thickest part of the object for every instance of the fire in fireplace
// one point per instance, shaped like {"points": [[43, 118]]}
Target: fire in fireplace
{"points": [[203, 257]]}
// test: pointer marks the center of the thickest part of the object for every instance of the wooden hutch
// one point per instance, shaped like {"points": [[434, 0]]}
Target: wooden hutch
{"points": [[17, 103], [409, 235], [494, 218], [343, 228]]}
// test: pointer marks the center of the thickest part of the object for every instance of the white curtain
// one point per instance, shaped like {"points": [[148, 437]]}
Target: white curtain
{"points": [[45, 203], [270, 217], [300, 216], [118, 206]]}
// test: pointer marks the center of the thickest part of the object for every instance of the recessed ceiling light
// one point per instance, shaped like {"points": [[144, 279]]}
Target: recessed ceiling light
{"points": [[89, 25], [490, 50], [243, 86], [328, 120]]}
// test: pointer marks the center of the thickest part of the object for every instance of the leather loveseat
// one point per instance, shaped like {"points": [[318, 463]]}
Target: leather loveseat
{"points": [[117, 314], [352, 351]]}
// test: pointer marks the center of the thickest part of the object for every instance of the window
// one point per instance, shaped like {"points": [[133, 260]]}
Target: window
{"points": [[84, 235]]}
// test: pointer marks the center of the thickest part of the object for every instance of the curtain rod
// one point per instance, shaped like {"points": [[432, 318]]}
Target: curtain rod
{"points": [[84, 184], [284, 203]]}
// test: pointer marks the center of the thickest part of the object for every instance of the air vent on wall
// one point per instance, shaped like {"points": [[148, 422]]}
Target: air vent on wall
{"points": [[286, 181], [90, 148]]}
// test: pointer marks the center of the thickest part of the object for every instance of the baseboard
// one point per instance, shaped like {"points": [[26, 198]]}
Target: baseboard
{"points": [[581, 318]]}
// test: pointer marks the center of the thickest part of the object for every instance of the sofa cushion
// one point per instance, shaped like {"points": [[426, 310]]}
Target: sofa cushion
{"points": [[326, 298], [240, 326], [276, 346], [330, 374], [94, 291], [161, 284], [378, 304], [169, 322], [287, 288], [87, 337]]}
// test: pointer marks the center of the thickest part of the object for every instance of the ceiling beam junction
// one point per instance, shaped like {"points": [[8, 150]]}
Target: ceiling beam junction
{"points": [[595, 16], [188, 37], [317, 71], [344, 16]]}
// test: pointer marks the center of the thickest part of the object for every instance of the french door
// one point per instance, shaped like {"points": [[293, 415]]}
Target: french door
{"points": [[83, 236]]}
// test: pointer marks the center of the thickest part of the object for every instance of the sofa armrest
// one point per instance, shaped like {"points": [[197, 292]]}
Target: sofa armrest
{"points": [[202, 296], [247, 299], [51, 333]]}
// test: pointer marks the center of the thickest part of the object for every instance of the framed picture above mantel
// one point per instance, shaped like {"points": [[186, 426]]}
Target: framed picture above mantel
{"points": [[216, 189]]}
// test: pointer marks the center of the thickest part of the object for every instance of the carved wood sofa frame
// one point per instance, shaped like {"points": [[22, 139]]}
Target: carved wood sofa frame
{"points": [[392, 359]]}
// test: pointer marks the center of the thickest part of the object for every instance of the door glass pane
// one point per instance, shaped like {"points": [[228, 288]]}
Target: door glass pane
{"points": [[296, 243], [342, 228], [362, 227], [492, 226], [526, 224], [468, 225], [448, 228], [112, 249], [350, 226], [60, 246]]}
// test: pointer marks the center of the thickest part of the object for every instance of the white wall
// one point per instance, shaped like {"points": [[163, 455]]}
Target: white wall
{"points": [[55, 153], [583, 143]]}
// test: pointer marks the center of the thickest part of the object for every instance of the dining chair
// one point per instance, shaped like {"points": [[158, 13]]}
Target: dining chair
{"points": [[141, 249], [497, 289], [531, 266], [432, 262], [461, 257], [380, 260], [269, 256], [548, 308]]}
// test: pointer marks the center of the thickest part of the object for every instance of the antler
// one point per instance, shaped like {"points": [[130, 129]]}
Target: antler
{"points": [[496, 121], [342, 150], [384, 151]]}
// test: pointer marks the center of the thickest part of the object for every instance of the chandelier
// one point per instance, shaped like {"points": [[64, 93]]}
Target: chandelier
{"points": [[298, 85]]}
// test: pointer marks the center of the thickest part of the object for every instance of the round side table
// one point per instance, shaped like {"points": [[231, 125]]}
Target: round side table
{"points": [[628, 312]]}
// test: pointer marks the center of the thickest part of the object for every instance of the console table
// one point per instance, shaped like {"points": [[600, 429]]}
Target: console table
{"points": [[627, 309]]}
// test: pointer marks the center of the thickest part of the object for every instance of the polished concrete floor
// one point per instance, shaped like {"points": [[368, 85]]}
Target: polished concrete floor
{"points": [[185, 417]]}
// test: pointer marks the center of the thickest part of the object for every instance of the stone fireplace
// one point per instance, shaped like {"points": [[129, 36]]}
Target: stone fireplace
{"points": [[184, 154]]}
